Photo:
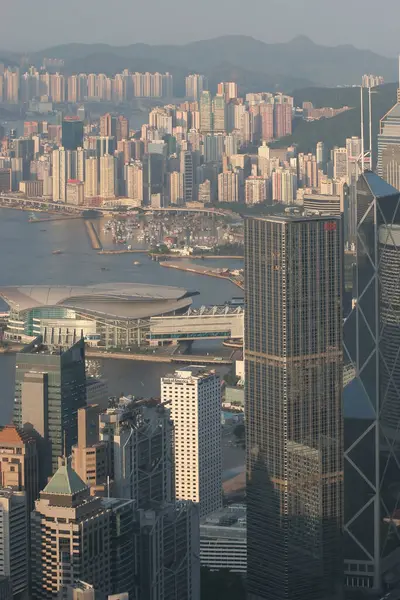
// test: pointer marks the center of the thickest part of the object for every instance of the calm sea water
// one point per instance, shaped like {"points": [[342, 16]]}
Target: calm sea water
{"points": [[26, 258]]}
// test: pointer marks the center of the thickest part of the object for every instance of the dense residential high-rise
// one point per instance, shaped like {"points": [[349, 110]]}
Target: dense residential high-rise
{"points": [[256, 190], [283, 115], [195, 86], [72, 133], [294, 440], [77, 536], [108, 177], [194, 397], [49, 390], [206, 113], [176, 188], [92, 177], [60, 174], [228, 89], [14, 545], [219, 114], [228, 187], [371, 342]]}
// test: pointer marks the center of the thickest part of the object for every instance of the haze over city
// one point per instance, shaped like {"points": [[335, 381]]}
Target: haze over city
{"points": [[28, 26]]}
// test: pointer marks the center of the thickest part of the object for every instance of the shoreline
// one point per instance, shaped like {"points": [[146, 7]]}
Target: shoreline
{"points": [[198, 270]]}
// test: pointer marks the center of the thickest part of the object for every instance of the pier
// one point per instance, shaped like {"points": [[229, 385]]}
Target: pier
{"points": [[93, 235], [200, 270]]}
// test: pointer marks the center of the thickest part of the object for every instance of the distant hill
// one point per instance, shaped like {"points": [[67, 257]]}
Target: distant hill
{"points": [[333, 132], [286, 66]]}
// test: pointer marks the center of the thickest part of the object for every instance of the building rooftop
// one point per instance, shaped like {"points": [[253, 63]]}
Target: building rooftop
{"points": [[293, 218], [378, 186], [65, 482], [11, 435], [117, 300]]}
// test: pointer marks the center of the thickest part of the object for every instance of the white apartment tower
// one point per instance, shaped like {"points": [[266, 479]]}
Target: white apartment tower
{"points": [[14, 539], [194, 396], [60, 174], [92, 177]]}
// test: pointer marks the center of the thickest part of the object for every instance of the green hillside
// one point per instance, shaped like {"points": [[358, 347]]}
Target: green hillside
{"points": [[333, 132]]}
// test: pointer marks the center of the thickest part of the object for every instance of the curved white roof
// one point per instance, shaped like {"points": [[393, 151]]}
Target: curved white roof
{"points": [[117, 300]]}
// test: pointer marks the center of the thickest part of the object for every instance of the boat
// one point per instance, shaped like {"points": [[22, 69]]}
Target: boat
{"points": [[43, 230], [105, 269], [136, 263], [57, 251]]}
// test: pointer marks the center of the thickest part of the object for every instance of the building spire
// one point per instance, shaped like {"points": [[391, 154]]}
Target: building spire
{"points": [[398, 85]]}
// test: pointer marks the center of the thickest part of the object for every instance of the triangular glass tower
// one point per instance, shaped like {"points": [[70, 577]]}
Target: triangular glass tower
{"points": [[372, 399]]}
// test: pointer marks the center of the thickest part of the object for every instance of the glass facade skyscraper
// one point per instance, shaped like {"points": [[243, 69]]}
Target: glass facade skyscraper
{"points": [[72, 133], [50, 387], [372, 398], [293, 358]]}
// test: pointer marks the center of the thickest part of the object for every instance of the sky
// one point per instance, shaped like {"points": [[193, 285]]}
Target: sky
{"points": [[28, 25]]}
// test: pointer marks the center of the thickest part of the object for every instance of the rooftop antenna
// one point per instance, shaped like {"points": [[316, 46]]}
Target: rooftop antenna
{"points": [[362, 130], [398, 88], [370, 126]]}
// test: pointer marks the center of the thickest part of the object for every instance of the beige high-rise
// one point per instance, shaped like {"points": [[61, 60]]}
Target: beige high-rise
{"points": [[90, 456]]}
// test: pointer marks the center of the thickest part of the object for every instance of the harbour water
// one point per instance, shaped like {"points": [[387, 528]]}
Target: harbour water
{"points": [[26, 258]]}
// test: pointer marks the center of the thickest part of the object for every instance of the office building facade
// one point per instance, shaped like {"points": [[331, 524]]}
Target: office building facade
{"points": [[194, 396], [49, 390], [293, 363], [14, 540], [75, 536], [371, 341], [72, 133]]}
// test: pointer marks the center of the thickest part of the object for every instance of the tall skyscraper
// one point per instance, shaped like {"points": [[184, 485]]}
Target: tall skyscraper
{"points": [[91, 177], [14, 540], [108, 125], [388, 163], [60, 174], [140, 445], [75, 536], [49, 390], [219, 114], [340, 163], [371, 399], [195, 86], [206, 113], [194, 396], [187, 169], [72, 133], [293, 361], [108, 176]]}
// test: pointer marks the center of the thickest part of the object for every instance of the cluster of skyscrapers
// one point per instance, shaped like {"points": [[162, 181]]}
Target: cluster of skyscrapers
{"points": [[108, 498], [18, 87]]}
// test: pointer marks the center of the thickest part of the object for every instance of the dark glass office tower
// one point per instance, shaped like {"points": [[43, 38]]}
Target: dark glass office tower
{"points": [[50, 387], [372, 399], [293, 358], [72, 133], [153, 176]]}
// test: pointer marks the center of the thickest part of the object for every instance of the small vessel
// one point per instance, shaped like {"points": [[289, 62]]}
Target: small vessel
{"points": [[136, 263], [105, 269], [43, 230], [57, 251]]}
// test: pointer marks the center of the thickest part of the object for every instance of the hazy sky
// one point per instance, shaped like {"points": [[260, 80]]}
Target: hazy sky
{"points": [[35, 24]]}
